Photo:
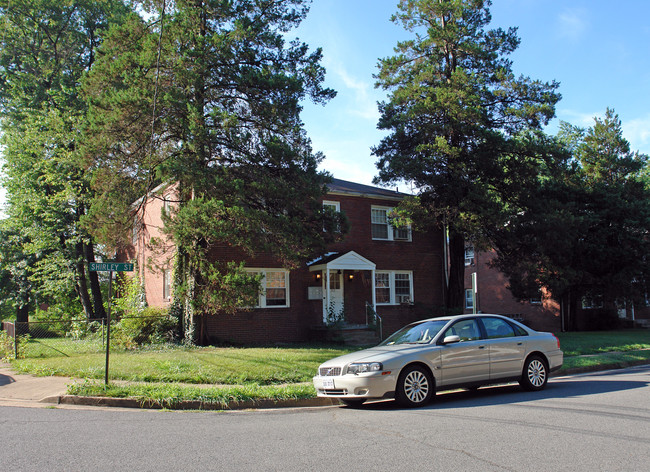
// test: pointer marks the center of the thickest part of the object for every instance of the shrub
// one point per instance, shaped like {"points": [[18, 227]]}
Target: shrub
{"points": [[155, 326], [6, 346]]}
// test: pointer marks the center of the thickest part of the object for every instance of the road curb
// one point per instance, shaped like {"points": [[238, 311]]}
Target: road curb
{"points": [[189, 404]]}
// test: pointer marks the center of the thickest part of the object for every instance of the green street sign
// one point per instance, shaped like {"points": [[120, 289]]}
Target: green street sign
{"points": [[110, 266]]}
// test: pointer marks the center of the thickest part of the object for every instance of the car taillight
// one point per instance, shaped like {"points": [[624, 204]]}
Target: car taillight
{"points": [[558, 341]]}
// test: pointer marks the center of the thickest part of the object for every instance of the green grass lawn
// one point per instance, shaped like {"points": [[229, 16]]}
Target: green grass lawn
{"points": [[229, 366], [595, 342]]}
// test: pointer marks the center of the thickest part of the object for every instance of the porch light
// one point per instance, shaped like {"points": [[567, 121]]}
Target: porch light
{"points": [[351, 276], [317, 276]]}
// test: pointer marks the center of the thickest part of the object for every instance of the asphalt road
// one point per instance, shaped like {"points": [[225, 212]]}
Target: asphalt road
{"points": [[594, 422]]}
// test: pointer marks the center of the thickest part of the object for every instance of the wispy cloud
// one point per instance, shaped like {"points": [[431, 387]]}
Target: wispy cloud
{"points": [[360, 94], [573, 23], [637, 132], [578, 118]]}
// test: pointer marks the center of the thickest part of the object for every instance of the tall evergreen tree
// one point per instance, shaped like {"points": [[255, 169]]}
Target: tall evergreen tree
{"points": [[463, 128], [584, 233], [207, 96], [46, 48]]}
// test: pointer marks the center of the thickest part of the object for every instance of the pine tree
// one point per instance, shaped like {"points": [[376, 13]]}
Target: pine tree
{"points": [[463, 129], [207, 97]]}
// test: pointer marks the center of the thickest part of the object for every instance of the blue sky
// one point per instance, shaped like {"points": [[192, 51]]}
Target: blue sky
{"points": [[599, 51]]}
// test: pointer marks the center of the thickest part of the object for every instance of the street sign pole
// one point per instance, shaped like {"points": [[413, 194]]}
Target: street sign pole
{"points": [[108, 324], [109, 267]]}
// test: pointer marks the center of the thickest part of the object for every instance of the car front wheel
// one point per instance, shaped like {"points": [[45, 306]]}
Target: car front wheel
{"points": [[535, 374], [415, 387]]}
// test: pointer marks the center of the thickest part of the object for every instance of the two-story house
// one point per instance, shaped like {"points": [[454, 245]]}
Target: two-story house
{"points": [[395, 271]]}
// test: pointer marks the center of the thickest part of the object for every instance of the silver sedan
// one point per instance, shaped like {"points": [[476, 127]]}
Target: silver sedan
{"points": [[440, 354]]}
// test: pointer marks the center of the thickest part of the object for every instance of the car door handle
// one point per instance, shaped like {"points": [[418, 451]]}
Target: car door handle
{"points": [[520, 344], [481, 347]]}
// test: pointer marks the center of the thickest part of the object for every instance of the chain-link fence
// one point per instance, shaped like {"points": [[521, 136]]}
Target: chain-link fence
{"points": [[69, 338]]}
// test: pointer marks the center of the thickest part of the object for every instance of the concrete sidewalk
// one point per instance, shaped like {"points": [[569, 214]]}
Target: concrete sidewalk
{"points": [[29, 389]]}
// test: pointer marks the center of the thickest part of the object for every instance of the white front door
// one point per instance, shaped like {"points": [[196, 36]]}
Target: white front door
{"points": [[333, 310]]}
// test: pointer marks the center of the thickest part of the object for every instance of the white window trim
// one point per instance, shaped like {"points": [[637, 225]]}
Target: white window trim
{"points": [[262, 295], [337, 208], [592, 302], [391, 228], [469, 300], [167, 284], [391, 283], [337, 205], [166, 204], [469, 261]]}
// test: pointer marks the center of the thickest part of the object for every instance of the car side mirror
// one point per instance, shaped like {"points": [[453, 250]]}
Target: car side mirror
{"points": [[451, 339]]}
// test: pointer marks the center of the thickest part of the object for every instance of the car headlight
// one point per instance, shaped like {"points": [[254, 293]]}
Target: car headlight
{"points": [[361, 367]]}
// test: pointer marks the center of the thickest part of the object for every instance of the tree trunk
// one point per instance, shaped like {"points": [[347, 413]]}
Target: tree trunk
{"points": [[81, 286], [95, 288], [456, 288]]}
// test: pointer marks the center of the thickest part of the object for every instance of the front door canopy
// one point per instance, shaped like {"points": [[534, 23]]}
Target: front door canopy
{"points": [[348, 261]]}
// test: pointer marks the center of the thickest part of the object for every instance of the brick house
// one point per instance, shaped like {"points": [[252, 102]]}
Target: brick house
{"points": [[396, 272], [542, 313], [493, 295]]}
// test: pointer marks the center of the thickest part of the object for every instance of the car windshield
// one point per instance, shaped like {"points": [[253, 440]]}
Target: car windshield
{"points": [[417, 333]]}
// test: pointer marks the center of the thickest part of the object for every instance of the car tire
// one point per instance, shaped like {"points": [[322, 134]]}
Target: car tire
{"points": [[535, 374], [352, 403], [415, 387]]}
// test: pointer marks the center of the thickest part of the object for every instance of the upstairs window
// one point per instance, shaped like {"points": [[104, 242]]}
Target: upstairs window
{"points": [[381, 229], [335, 207], [469, 255], [167, 284]]}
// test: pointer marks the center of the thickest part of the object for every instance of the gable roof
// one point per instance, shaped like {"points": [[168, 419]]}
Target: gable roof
{"points": [[335, 261], [345, 187]]}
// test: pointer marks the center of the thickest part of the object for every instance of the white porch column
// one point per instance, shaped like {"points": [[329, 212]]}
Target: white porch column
{"points": [[327, 294], [374, 291]]}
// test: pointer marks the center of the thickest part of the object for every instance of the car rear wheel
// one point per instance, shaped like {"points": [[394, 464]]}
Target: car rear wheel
{"points": [[535, 374], [415, 387]]}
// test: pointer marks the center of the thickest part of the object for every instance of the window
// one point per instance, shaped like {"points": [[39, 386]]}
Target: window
{"points": [[591, 302], [382, 287], [380, 227], [274, 291], [469, 299], [166, 204], [403, 288], [497, 328], [469, 255], [393, 287], [335, 207], [467, 330], [167, 284]]}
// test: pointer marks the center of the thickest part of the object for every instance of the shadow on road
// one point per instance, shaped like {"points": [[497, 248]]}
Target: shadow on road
{"points": [[570, 387]]}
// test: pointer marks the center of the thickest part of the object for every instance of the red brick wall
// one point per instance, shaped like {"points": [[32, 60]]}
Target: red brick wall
{"points": [[495, 297], [422, 256]]}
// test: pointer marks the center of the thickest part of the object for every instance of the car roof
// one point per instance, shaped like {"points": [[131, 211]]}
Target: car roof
{"points": [[463, 316]]}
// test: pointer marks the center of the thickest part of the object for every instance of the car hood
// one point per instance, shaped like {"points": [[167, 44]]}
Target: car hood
{"points": [[377, 354]]}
